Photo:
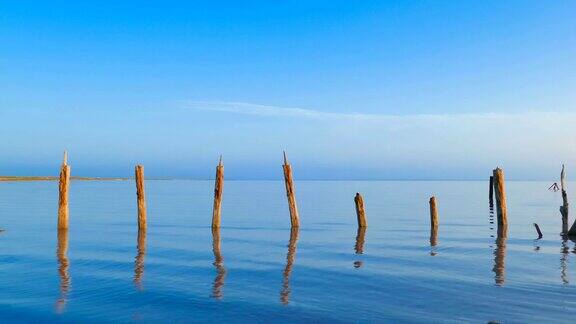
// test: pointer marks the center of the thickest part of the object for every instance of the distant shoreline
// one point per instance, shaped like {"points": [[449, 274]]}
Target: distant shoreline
{"points": [[53, 178]]}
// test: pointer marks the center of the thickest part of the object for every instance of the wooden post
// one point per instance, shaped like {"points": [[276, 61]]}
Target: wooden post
{"points": [[500, 193], [294, 219], [139, 175], [360, 212], [433, 213], [218, 189], [564, 207], [491, 191], [64, 185]]}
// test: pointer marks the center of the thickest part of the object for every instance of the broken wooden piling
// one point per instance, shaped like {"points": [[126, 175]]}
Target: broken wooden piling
{"points": [[294, 219], [360, 212], [63, 186], [433, 215], [140, 196], [218, 189], [500, 193], [564, 207]]}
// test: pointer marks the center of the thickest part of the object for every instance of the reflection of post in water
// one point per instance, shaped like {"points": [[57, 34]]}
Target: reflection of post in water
{"points": [[219, 264], [359, 247], [63, 265], [285, 292], [500, 258], [564, 250], [433, 240], [139, 260]]}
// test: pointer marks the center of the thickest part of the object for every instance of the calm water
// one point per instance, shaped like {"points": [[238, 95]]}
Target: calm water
{"points": [[258, 270]]}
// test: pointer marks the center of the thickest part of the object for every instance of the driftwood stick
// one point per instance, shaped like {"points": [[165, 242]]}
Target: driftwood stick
{"points": [[360, 211], [218, 190], [500, 193], [140, 196], [564, 208], [63, 186], [538, 230], [294, 219]]}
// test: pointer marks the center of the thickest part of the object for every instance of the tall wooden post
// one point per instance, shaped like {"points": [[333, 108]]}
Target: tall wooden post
{"points": [[564, 207], [140, 195], [63, 186], [433, 216], [294, 219], [500, 193], [360, 212], [218, 189]]}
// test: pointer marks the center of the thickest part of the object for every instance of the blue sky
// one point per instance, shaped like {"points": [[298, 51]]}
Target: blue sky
{"points": [[352, 89]]}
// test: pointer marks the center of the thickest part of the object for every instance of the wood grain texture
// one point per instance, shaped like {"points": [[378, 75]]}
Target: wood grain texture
{"points": [[63, 188], [218, 190], [289, 182], [140, 196], [500, 194], [433, 215], [360, 211]]}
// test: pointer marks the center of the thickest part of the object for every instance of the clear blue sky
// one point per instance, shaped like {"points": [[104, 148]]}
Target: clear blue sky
{"points": [[353, 89]]}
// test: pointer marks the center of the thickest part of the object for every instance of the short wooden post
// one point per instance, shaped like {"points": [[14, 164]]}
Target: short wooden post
{"points": [[218, 189], [491, 191], [139, 175], [360, 212], [564, 207], [294, 219], [433, 216], [64, 185], [500, 193]]}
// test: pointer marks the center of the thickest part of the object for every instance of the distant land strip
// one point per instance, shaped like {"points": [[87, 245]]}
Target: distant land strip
{"points": [[53, 178]]}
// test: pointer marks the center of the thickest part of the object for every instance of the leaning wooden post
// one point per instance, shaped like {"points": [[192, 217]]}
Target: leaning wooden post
{"points": [[139, 175], [218, 188], [360, 212], [500, 193], [433, 217], [294, 219], [564, 207], [64, 185]]}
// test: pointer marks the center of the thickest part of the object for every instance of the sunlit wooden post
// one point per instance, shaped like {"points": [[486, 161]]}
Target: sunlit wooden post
{"points": [[294, 219], [63, 186], [564, 207], [433, 217], [139, 175], [360, 212], [218, 189], [500, 193]]}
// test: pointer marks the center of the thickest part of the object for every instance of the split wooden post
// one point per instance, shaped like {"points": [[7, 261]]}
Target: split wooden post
{"points": [[140, 195], [500, 193], [360, 212], [218, 189], [433, 216], [294, 219], [64, 185], [564, 207]]}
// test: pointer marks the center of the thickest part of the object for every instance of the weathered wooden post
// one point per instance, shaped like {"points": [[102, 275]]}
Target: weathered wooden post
{"points": [[294, 219], [491, 191], [500, 193], [360, 212], [433, 221], [218, 189], [564, 207], [63, 186], [140, 195]]}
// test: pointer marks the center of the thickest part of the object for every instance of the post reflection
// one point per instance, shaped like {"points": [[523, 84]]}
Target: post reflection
{"points": [[290, 257], [139, 260], [219, 264], [359, 247], [433, 241], [63, 266], [500, 258], [564, 250]]}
